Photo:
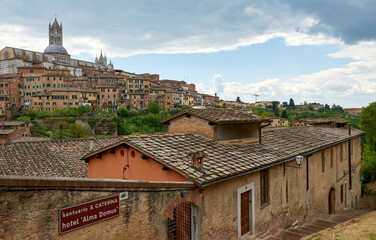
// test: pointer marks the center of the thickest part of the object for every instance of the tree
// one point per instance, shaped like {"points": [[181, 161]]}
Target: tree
{"points": [[238, 99], [310, 108], [292, 103], [24, 119], [284, 114], [368, 125], [327, 106], [275, 108], [285, 104], [154, 108], [337, 108], [122, 112], [76, 131]]}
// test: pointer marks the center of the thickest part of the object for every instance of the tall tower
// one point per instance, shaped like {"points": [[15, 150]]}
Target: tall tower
{"points": [[56, 33]]}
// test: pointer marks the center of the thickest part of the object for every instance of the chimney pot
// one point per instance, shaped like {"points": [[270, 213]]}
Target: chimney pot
{"points": [[197, 158], [91, 144]]}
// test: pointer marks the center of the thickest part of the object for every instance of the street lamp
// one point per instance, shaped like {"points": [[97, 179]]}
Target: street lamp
{"points": [[299, 162]]}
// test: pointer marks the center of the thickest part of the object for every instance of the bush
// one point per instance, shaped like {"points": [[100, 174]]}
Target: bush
{"points": [[24, 119], [175, 111], [154, 108], [123, 113], [76, 131], [163, 112], [133, 113]]}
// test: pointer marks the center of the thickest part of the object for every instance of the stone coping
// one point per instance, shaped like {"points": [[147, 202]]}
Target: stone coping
{"points": [[62, 182]]}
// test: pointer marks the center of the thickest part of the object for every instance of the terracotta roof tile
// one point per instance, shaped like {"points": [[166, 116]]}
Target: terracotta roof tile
{"points": [[220, 116], [52, 158], [60, 158]]}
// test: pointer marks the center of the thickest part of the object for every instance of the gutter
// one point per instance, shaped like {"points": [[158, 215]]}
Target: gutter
{"points": [[274, 164]]}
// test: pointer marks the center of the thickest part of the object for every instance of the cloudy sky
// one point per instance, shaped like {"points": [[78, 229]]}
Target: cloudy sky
{"points": [[312, 50]]}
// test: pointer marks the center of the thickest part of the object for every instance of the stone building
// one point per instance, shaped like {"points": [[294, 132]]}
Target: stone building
{"points": [[11, 130], [320, 122], [217, 174]]}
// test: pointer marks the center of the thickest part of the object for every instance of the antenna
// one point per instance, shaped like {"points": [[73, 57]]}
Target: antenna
{"points": [[256, 95]]}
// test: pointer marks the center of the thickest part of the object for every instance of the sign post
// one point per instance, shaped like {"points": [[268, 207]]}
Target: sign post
{"points": [[82, 215]]}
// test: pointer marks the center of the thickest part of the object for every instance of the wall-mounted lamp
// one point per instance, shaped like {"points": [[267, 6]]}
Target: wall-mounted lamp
{"points": [[353, 167], [182, 193], [164, 168], [299, 162], [144, 157]]}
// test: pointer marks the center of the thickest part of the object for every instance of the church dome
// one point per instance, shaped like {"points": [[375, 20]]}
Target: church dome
{"points": [[56, 49]]}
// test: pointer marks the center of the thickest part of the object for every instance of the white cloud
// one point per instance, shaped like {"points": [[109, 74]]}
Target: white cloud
{"points": [[352, 85]]}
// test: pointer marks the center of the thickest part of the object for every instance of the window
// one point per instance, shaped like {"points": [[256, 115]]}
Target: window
{"points": [[323, 161], [264, 186], [342, 193], [331, 157]]}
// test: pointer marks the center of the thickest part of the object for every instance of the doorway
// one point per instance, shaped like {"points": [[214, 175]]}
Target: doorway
{"points": [[246, 214], [332, 201]]}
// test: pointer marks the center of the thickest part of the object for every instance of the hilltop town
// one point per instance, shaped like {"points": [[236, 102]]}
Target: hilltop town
{"points": [[88, 151]]}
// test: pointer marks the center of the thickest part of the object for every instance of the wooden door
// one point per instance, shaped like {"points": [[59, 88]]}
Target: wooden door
{"points": [[244, 213], [332, 201]]}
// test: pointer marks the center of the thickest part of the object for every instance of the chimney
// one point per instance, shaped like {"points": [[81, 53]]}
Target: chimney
{"points": [[91, 144], [197, 158], [349, 128]]}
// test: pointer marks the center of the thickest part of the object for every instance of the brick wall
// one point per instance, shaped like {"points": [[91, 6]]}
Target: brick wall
{"points": [[192, 124]]}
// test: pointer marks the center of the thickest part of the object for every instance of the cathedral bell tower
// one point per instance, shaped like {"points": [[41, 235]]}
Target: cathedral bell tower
{"points": [[56, 33]]}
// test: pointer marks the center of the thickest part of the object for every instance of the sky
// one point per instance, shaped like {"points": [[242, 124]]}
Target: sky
{"points": [[313, 50]]}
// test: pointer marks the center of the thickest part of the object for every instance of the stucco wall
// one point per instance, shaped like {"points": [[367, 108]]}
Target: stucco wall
{"points": [[126, 163]]}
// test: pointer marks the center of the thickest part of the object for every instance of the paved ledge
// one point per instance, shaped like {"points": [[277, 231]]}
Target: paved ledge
{"points": [[61, 182]]}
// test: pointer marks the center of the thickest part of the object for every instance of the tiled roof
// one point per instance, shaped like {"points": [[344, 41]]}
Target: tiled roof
{"points": [[221, 161], [220, 116], [60, 158], [322, 120], [54, 158]]}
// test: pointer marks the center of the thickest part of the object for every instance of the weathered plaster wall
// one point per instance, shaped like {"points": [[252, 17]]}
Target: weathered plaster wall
{"points": [[126, 163]]}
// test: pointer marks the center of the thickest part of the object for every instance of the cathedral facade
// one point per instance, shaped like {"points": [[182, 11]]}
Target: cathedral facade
{"points": [[55, 56]]}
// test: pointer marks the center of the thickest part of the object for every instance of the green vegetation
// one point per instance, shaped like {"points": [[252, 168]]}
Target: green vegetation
{"points": [[368, 125], [81, 122]]}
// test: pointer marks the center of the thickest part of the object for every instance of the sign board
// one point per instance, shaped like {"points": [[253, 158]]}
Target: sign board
{"points": [[86, 104], [123, 195], [82, 215]]}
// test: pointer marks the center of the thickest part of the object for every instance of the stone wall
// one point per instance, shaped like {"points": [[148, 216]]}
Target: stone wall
{"points": [[295, 204], [29, 207]]}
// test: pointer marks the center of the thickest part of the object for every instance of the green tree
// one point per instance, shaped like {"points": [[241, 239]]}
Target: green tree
{"points": [[368, 125], [154, 108], [123, 113], [76, 131], [284, 114], [285, 104], [275, 108], [24, 119], [292, 103]]}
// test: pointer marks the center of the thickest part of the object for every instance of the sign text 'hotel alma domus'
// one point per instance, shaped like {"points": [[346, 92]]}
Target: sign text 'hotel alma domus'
{"points": [[82, 215]]}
